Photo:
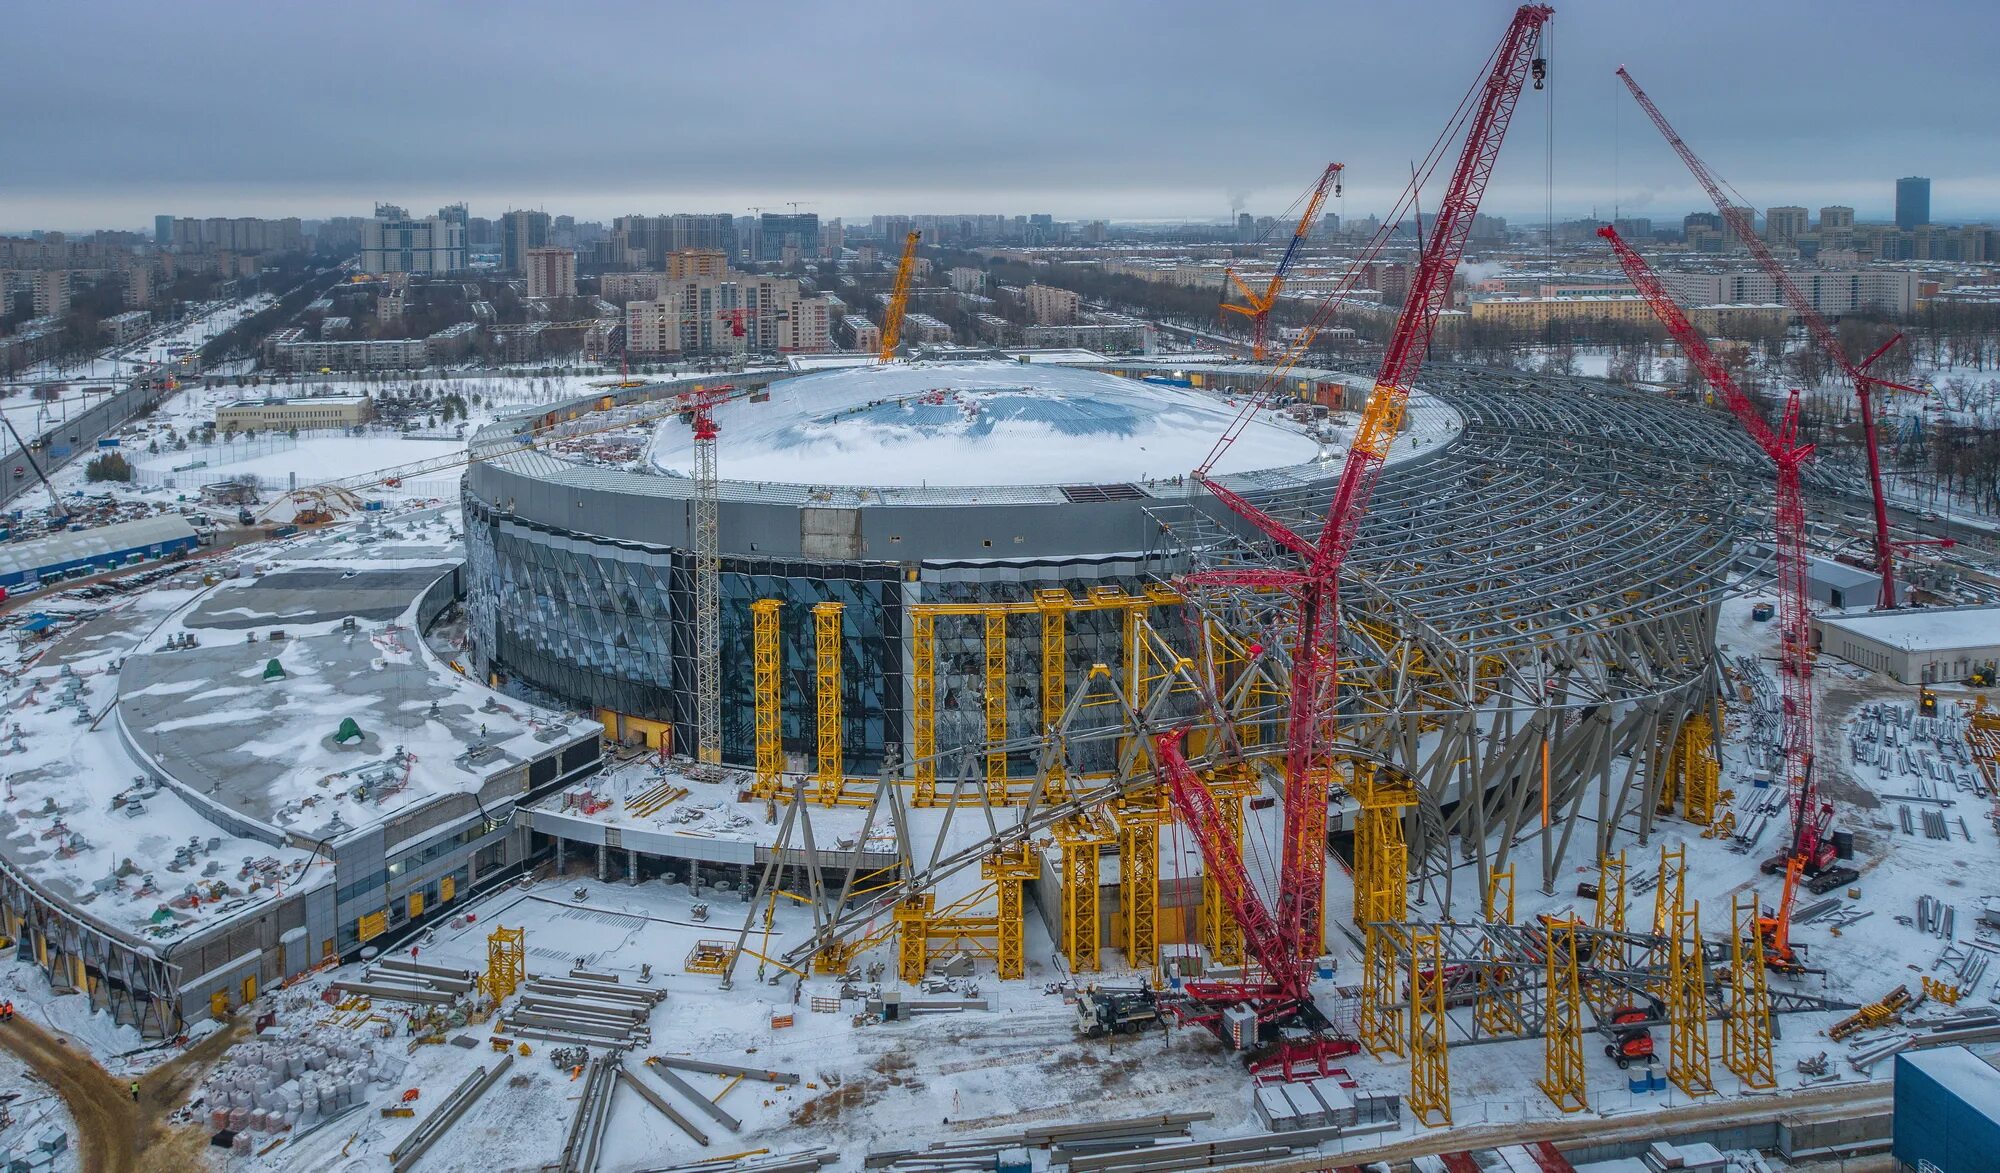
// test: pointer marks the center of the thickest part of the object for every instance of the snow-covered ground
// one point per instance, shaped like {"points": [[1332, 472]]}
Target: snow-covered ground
{"points": [[204, 322]]}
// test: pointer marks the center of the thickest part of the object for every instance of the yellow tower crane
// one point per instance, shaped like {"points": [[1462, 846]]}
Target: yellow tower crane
{"points": [[892, 322]]}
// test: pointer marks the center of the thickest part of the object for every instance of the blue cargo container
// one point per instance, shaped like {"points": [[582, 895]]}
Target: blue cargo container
{"points": [[1947, 1111], [107, 442]]}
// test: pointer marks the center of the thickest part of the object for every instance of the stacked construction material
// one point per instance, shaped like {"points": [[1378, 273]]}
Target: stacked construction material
{"points": [[275, 1085], [400, 979], [590, 1009]]}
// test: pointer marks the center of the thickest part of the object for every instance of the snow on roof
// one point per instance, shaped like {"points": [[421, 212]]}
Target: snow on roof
{"points": [[978, 423], [1929, 630], [1966, 1075], [56, 549]]}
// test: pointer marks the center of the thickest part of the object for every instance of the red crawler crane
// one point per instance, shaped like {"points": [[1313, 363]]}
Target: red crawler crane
{"points": [[1810, 818], [1816, 325], [1279, 940]]}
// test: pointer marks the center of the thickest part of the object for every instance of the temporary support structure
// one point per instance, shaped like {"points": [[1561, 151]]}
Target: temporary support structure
{"points": [[1746, 1032], [1562, 1027], [1379, 1029], [1220, 932], [829, 768], [1693, 774], [1381, 855], [1499, 1009], [1055, 605], [1430, 1069], [1080, 840], [1139, 816], [913, 936], [996, 707], [1670, 894], [1010, 871], [1610, 911], [923, 710], [764, 655], [1687, 1007], [506, 962]]}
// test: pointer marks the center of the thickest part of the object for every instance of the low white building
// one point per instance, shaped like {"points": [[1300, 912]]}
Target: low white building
{"points": [[1932, 645]]}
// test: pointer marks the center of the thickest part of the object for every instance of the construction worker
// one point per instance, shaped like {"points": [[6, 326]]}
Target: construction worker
{"points": [[135, 1091], [7, 1011]]}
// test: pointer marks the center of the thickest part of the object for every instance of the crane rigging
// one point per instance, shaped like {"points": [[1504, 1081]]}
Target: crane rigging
{"points": [[1811, 847], [1738, 219], [899, 297], [1257, 306], [1278, 939]]}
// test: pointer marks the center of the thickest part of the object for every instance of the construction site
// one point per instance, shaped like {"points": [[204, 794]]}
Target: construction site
{"points": [[1016, 761]]}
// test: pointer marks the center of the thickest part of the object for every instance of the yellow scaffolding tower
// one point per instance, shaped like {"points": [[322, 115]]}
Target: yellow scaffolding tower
{"points": [[506, 962], [1671, 894], [829, 770], [913, 936], [1746, 1032], [1430, 1067], [1381, 854], [923, 713], [1080, 839], [1687, 1007], [764, 658], [1220, 932], [1380, 1025], [996, 707], [1139, 815], [1499, 1010], [1610, 913], [1054, 605], [1009, 871], [1562, 1029], [1693, 772]]}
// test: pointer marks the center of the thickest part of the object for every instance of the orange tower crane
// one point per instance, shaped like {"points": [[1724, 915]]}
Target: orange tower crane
{"points": [[1257, 306], [899, 297]]}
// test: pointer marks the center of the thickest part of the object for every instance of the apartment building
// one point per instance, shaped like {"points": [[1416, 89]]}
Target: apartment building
{"points": [[859, 334], [380, 354], [432, 245], [550, 272], [1831, 291], [1049, 305], [728, 312]]}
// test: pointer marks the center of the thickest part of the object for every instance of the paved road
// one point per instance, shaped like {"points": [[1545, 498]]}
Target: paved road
{"points": [[115, 1133]]}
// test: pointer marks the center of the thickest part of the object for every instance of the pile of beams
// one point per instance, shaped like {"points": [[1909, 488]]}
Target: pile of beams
{"points": [[592, 1011], [398, 979]]}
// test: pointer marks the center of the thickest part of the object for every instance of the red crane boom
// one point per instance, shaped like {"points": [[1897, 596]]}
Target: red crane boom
{"points": [[1810, 817], [1815, 323], [1295, 930]]}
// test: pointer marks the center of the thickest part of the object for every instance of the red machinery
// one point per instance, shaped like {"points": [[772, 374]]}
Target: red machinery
{"points": [[1810, 817], [1280, 940], [1257, 306], [1738, 219]]}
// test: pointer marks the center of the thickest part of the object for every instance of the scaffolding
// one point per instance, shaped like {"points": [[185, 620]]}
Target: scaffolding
{"points": [[1746, 1031], [829, 768], [1139, 815], [764, 656], [506, 962], [1381, 855], [1498, 1010], [1010, 871], [1670, 895], [1380, 1026], [923, 709], [1693, 771], [1562, 1026], [914, 925], [1687, 1007], [1430, 1069], [1055, 607], [1079, 840], [1220, 932]]}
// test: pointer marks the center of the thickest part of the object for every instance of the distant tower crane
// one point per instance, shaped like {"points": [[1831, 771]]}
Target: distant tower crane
{"points": [[899, 297], [1257, 306], [1816, 325], [1279, 938], [1811, 847], [707, 579]]}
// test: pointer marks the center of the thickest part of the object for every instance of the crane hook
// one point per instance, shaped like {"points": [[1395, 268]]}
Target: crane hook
{"points": [[1540, 67]]}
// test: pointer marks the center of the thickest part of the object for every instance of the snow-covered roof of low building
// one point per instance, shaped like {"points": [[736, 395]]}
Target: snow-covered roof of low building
{"points": [[1928, 630], [59, 549]]}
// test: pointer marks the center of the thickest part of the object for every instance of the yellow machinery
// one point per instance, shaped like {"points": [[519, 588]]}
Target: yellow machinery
{"points": [[506, 962], [899, 298], [1562, 1029], [1687, 1007], [1746, 1032], [1430, 1068]]}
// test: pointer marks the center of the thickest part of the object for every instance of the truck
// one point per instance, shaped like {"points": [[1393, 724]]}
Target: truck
{"points": [[1116, 1010]]}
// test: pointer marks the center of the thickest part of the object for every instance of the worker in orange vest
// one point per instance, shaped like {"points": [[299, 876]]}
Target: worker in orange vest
{"points": [[7, 1011]]}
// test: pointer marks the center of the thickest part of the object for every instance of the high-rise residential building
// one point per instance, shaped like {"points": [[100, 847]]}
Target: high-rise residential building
{"points": [[519, 232], [1784, 225], [163, 231], [457, 214], [696, 262], [1729, 240], [729, 312], [1836, 217], [240, 234], [1913, 202], [1051, 305], [51, 292], [432, 245], [777, 231], [551, 272], [391, 212], [139, 286]]}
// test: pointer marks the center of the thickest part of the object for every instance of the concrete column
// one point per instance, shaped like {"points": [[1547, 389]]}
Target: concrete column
{"points": [[631, 866], [603, 863], [560, 855]]}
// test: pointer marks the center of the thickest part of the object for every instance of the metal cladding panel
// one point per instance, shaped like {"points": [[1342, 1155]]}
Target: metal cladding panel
{"points": [[1947, 1111]]}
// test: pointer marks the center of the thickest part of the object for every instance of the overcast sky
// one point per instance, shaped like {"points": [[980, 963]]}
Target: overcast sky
{"points": [[119, 109]]}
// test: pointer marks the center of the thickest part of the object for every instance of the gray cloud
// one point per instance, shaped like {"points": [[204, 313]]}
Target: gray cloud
{"points": [[1112, 108]]}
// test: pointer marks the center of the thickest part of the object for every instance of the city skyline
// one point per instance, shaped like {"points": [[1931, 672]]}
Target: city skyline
{"points": [[955, 113]]}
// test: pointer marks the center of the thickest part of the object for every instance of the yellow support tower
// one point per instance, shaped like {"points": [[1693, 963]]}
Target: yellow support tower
{"points": [[913, 937], [1380, 1026], [1694, 771], [996, 707], [1080, 839], [1220, 932], [1381, 855], [1009, 871], [1687, 1008], [1610, 913], [923, 709], [1670, 897], [830, 770], [1499, 1011], [1139, 816], [1562, 1029], [1746, 1032], [1430, 1067], [1055, 605], [764, 657], [506, 962]]}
